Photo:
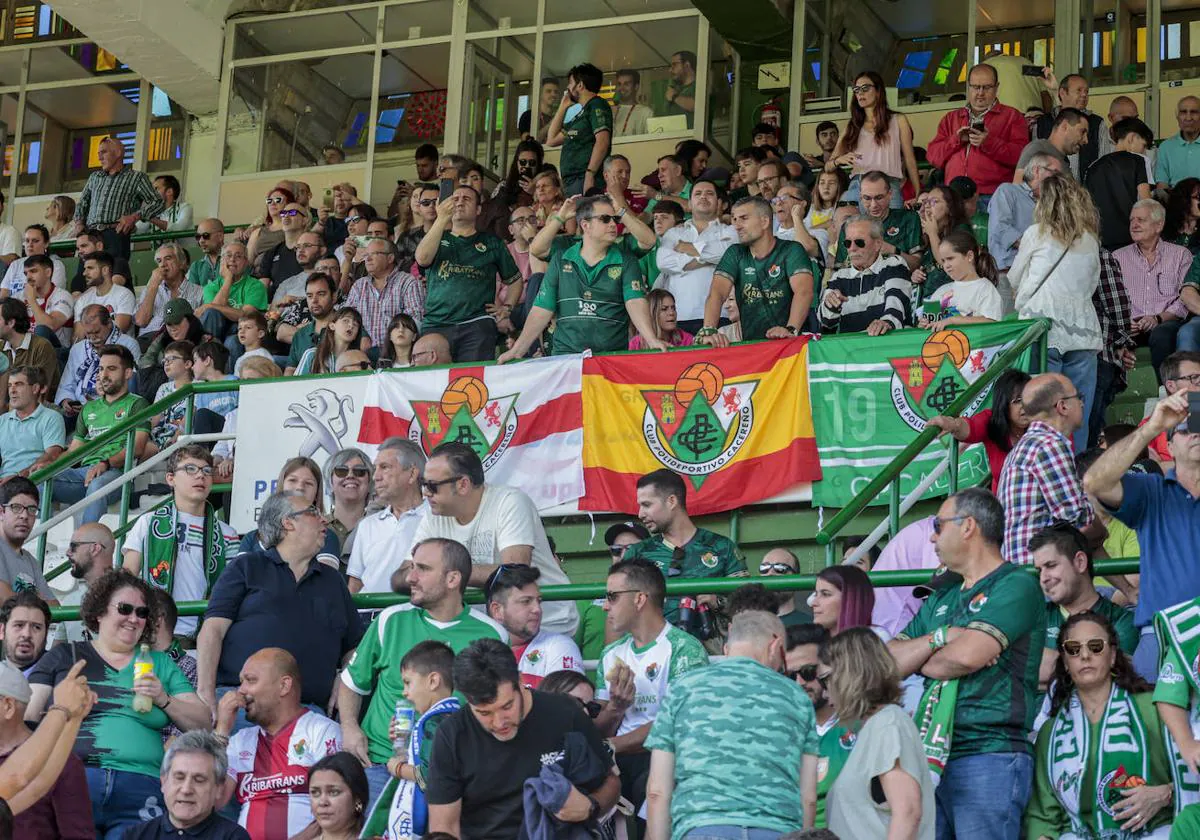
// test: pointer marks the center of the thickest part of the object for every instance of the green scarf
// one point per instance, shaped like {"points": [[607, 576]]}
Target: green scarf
{"points": [[161, 549], [1122, 762], [935, 721], [1178, 629]]}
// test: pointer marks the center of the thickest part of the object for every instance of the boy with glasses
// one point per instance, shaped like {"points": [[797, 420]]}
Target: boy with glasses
{"points": [[182, 546], [177, 365]]}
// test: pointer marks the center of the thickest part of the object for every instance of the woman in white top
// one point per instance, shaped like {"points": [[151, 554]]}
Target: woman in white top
{"points": [[876, 138], [60, 218], [884, 791], [1056, 270]]}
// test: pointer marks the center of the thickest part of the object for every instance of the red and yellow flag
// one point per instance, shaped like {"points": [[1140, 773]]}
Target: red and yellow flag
{"points": [[736, 423]]}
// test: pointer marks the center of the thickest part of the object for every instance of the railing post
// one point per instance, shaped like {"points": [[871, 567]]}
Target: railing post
{"points": [[954, 456], [894, 508], [47, 507], [189, 410], [127, 487]]}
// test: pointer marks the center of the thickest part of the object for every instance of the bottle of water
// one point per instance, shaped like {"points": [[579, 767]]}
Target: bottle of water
{"points": [[402, 727], [143, 666]]}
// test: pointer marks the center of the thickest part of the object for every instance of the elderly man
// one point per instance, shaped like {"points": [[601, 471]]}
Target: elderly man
{"points": [[383, 539], [1179, 156], [673, 185], [733, 743], [79, 381], [591, 314], [230, 294], [461, 265], [985, 639], [1073, 94], [1039, 485], [791, 205], [194, 782], [901, 228], [982, 141], [32, 435], [1153, 272], [1011, 213], [430, 350], [771, 278], [304, 607], [269, 762], [1064, 141], [871, 294], [210, 235], [115, 198], [689, 253], [385, 292], [167, 282]]}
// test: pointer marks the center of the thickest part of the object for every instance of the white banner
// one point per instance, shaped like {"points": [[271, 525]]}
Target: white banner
{"points": [[280, 420]]}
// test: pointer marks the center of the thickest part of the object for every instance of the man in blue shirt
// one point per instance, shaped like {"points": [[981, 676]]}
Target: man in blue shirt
{"points": [[31, 434], [1164, 512], [1010, 211], [1179, 156]]}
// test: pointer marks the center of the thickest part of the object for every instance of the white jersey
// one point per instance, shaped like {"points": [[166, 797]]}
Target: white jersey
{"points": [[545, 654], [672, 653], [271, 774]]}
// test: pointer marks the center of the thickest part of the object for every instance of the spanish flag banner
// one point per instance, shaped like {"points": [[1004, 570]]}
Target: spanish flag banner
{"points": [[735, 423]]}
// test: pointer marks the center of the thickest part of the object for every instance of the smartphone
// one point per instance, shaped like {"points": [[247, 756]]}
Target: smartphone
{"points": [[400, 182], [1033, 70], [1193, 420], [977, 124], [445, 188], [327, 200], [362, 241]]}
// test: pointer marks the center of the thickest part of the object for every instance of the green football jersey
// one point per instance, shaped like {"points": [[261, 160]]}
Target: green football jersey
{"points": [[589, 300], [1119, 617], [705, 555], [763, 287], [99, 415], [461, 280], [594, 118], [836, 742]]}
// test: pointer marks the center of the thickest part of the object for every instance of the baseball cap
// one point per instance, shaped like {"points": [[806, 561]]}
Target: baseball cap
{"points": [[943, 578], [13, 684], [177, 310], [635, 528]]}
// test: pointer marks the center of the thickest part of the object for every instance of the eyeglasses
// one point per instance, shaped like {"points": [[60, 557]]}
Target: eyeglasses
{"points": [[129, 609], [807, 673], [768, 180], [980, 88], [775, 568], [1094, 646], [424, 202], [32, 510], [604, 218], [72, 547], [613, 596], [857, 243], [311, 510], [520, 220], [939, 521], [617, 550], [289, 213], [357, 472], [1192, 379], [172, 359], [431, 487], [1075, 396], [863, 88], [274, 199], [194, 469]]}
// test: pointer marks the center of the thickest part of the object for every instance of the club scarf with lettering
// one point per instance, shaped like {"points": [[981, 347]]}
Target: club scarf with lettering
{"points": [[1122, 762], [935, 722], [162, 544], [1178, 629], [401, 811]]}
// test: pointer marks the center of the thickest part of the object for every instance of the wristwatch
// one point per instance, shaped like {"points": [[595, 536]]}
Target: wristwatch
{"points": [[594, 813], [792, 330]]}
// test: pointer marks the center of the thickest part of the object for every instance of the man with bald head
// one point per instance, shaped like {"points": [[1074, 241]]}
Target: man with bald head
{"points": [[269, 760], [431, 349], [1038, 485], [781, 561], [115, 198], [351, 361], [90, 552], [1179, 156], [210, 236]]}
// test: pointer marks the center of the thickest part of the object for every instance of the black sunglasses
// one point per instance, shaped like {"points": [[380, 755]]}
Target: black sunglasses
{"points": [[358, 472], [938, 521], [204, 237], [857, 243], [807, 673], [127, 609], [676, 567], [605, 218], [432, 487]]}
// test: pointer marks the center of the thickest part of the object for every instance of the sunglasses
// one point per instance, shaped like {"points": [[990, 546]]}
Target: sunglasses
{"points": [[195, 469], [806, 673], [862, 88], [204, 237], [274, 199], [775, 568], [605, 218], [1094, 646], [857, 243], [72, 547], [494, 581], [354, 366], [613, 596], [129, 609], [520, 220], [289, 213], [357, 472], [938, 522], [311, 509], [617, 550], [431, 487], [352, 219]]}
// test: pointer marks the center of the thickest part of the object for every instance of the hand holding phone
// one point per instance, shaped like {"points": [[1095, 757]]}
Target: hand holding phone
{"points": [[1035, 70]]}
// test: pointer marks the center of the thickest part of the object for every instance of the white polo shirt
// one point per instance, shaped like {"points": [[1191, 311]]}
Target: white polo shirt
{"points": [[381, 542]]}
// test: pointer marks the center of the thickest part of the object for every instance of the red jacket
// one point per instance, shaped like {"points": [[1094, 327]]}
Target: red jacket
{"points": [[988, 165]]}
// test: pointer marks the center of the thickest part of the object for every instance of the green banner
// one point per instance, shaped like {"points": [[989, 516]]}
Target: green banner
{"points": [[871, 397]]}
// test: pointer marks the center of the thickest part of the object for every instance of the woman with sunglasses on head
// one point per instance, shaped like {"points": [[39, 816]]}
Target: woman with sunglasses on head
{"points": [[303, 475], [348, 475], [884, 791], [1103, 768], [998, 428], [876, 138], [122, 749], [268, 233]]}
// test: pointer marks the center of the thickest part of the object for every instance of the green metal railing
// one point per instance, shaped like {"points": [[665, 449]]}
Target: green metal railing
{"points": [[67, 246], [694, 586], [889, 478]]}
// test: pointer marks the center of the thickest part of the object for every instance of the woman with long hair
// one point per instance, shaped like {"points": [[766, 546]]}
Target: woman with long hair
{"points": [[694, 155], [843, 598], [339, 795], [998, 428], [1055, 273], [516, 190], [666, 322], [345, 333], [825, 199], [60, 215], [876, 137], [884, 791], [1183, 215], [402, 334], [1102, 767], [969, 295], [268, 233], [303, 476], [942, 212]]}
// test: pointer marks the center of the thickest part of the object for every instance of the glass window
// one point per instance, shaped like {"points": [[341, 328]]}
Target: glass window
{"points": [[70, 123], [76, 61], [1113, 43], [418, 20], [168, 127], [412, 103], [720, 92], [499, 95], [282, 115], [34, 21], [486, 15], [559, 11], [302, 33], [647, 47], [10, 66]]}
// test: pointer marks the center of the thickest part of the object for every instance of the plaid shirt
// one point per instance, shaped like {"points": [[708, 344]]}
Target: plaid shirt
{"points": [[1112, 308], [1038, 487], [402, 293], [1154, 289], [106, 198]]}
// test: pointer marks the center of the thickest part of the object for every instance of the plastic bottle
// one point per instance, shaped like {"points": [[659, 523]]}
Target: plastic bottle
{"points": [[143, 666], [402, 726]]}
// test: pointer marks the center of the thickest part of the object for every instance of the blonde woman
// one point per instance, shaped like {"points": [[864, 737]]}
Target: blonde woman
{"points": [[548, 198], [1056, 270], [884, 791], [60, 215], [666, 322]]}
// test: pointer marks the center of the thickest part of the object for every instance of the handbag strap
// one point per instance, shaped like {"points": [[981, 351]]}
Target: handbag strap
{"points": [[1048, 273]]}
